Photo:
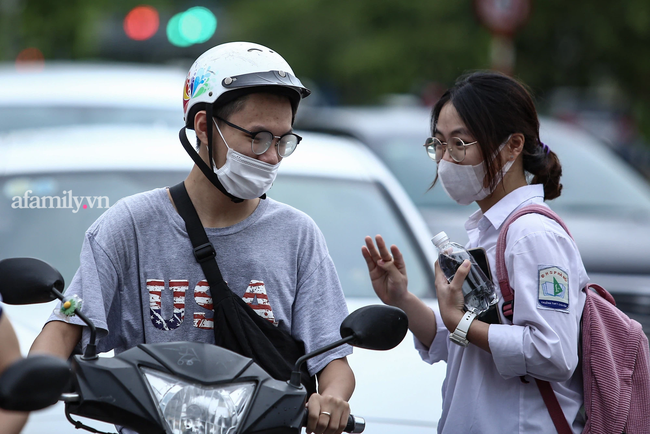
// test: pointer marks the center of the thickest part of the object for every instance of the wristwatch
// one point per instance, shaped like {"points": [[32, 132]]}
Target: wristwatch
{"points": [[459, 336]]}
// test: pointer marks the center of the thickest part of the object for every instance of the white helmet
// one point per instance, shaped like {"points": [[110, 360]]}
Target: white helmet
{"points": [[230, 70]]}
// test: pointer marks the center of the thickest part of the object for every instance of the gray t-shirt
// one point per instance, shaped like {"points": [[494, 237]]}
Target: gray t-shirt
{"points": [[139, 281]]}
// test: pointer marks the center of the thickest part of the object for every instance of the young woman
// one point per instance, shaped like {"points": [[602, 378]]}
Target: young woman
{"points": [[485, 141]]}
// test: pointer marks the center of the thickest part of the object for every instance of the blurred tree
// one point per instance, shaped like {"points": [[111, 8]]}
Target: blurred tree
{"points": [[588, 43], [63, 29], [358, 50], [367, 48]]}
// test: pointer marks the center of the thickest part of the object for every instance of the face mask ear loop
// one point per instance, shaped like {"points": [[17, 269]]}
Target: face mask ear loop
{"points": [[208, 127], [220, 133], [207, 171], [506, 167]]}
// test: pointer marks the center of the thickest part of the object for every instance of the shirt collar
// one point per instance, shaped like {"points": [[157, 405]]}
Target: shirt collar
{"points": [[513, 200], [501, 210]]}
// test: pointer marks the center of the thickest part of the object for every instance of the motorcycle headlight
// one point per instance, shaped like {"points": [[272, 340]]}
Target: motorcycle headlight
{"points": [[197, 409]]}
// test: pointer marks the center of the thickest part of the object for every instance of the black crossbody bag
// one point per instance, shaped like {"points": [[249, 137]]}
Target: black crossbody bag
{"points": [[237, 326]]}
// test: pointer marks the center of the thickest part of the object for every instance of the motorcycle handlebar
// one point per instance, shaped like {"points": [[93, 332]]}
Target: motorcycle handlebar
{"points": [[356, 424]]}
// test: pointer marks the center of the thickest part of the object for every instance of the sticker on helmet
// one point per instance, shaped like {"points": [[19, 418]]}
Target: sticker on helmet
{"points": [[553, 291], [197, 84]]}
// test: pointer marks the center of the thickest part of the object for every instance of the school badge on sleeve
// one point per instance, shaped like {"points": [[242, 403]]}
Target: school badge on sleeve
{"points": [[553, 291]]}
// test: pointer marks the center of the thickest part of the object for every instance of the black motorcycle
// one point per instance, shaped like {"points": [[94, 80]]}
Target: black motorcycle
{"points": [[176, 387]]}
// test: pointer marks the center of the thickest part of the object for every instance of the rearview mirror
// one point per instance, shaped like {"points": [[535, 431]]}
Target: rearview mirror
{"points": [[33, 383], [28, 281], [375, 327]]}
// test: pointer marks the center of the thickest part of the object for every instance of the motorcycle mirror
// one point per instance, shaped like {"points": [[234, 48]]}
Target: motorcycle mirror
{"points": [[33, 383], [375, 327], [28, 281]]}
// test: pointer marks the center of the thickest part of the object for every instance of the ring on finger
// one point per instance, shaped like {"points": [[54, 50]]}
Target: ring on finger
{"points": [[326, 413]]}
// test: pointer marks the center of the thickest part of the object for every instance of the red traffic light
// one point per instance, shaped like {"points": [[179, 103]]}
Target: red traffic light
{"points": [[141, 23]]}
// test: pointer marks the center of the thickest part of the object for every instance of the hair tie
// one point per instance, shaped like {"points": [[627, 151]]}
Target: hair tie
{"points": [[546, 148]]}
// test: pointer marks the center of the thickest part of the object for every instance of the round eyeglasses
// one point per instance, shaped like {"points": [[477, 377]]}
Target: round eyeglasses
{"points": [[262, 140], [456, 147]]}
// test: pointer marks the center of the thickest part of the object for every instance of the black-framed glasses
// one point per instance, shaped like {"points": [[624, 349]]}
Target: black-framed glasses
{"points": [[262, 140], [456, 147]]}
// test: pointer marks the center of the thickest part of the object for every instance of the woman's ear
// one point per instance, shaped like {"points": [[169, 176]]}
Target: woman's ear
{"points": [[201, 126], [515, 145]]}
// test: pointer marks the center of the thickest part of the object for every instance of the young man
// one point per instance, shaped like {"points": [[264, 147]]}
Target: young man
{"points": [[137, 260]]}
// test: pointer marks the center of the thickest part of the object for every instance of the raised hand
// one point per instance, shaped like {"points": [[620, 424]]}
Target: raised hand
{"points": [[387, 270]]}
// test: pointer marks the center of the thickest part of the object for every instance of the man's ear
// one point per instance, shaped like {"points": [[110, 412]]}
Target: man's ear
{"points": [[201, 126]]}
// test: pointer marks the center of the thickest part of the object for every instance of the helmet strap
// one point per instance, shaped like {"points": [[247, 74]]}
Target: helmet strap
{"points": [[207, 170]]}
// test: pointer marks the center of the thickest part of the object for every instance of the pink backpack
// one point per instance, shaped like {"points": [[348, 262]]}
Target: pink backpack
{"points": [[614, 355]]}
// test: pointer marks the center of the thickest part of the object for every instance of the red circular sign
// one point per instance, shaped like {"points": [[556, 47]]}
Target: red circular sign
{"points": [[502, 16]]}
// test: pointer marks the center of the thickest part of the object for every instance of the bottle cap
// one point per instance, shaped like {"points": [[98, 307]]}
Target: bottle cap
{"points": [[439, 239]]}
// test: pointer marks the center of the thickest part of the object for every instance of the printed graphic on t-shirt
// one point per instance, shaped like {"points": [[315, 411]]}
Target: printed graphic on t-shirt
{"points": [[553, 290], [255, 296], [258, 300], [203, 298], [156, 290]]}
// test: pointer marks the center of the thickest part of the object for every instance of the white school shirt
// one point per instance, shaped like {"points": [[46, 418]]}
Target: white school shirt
{"points": [[482, 392]]}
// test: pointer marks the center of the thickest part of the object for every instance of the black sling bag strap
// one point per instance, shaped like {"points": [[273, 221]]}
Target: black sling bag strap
{"points": [[237, 326]]}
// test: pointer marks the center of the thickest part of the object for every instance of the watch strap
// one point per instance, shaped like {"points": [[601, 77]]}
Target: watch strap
{"points": [[459, 336]]}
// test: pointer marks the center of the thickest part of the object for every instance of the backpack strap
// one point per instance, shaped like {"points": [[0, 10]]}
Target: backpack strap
{"points": [[502, 272], [553, 407], [550, 399]]}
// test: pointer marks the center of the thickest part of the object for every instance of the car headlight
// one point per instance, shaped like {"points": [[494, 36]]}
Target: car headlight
{"points": [[192, 408]]}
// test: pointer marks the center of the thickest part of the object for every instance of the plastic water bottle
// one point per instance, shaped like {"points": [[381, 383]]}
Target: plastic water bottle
{"points": [[478, 289]]}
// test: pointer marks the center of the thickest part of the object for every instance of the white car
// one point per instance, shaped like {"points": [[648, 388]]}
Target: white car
{"points": [[82, 93], [605, 202], [338, 181]]}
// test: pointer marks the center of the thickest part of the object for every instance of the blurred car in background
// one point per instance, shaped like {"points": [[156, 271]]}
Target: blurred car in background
{"points": [[74, 93], [337, 181], [604, 202]]}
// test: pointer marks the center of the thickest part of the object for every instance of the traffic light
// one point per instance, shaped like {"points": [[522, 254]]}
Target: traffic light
{"points": [[141, 23], [194, 26]]}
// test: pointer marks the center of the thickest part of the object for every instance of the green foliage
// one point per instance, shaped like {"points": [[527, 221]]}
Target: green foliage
{"points": [[62, 29], [587, 43], [367, 48], [358, 50]]}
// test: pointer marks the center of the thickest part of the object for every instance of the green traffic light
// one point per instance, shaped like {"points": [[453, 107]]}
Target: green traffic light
{"points": [[174, 34], [194, 26], [206, 23]]}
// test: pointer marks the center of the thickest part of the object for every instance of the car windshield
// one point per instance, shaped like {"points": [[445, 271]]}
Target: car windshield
{"points": [[37, 228], [27, 117]]}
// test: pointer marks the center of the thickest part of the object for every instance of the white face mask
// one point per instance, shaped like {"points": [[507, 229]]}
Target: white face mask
{"points": [[243, 176], [464, 183]]}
